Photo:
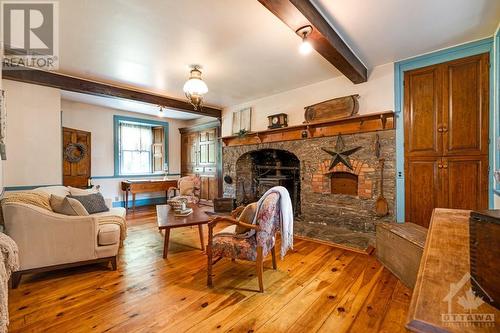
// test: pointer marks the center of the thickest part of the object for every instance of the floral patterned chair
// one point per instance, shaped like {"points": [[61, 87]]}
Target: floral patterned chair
{"points": [[188, 188], [253, 245]]}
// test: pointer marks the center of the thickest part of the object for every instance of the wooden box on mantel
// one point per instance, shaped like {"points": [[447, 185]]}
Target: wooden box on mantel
{"points": [[399, 248]]}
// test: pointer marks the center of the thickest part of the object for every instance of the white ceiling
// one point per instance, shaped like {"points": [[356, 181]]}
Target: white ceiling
{"points": [[126, 105], [384, 31], [248, 53]]}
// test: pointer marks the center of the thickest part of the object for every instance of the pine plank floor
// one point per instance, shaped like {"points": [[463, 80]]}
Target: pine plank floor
{"points": [[317, 288]]}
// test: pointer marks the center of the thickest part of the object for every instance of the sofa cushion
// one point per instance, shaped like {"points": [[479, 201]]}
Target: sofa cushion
{"points": [[115, 211], [93, 203], [79, 191], [67, 206], [109, 234], [59, 190]]}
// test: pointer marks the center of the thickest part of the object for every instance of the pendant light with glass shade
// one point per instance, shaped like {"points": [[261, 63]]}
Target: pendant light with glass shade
{"points": [[195, 88]]}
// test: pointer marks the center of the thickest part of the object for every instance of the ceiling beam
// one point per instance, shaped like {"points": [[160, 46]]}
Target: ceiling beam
{"points": [[84, 86], [324, 39]]}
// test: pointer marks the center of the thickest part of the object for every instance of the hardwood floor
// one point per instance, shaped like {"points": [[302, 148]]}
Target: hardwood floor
{"points": [[317, 288]]}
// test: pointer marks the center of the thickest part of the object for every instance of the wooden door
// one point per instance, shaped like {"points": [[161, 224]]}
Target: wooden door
{"points": [[465, 106], [76, 157], [446, 137], [422, 112], [424, 188], [189, 148], [466, 182]]}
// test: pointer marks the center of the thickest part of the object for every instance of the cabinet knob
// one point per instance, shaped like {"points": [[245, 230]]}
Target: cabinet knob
{"points": [[445, 166], [440, 129], [440, 166]]}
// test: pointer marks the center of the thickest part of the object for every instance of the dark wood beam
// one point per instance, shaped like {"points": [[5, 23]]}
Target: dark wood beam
{"points": [[80, 85], [324, 39]]}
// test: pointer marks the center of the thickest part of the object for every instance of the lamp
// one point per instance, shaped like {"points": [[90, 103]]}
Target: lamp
{"points": [[195, 88], [304, 32]]}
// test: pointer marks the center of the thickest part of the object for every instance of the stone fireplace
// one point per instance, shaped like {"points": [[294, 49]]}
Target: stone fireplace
{"points": [[259, 170], [335, 205]]}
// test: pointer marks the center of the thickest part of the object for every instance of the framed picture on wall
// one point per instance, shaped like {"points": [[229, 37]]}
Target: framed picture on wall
{"points": [[242, 120]]}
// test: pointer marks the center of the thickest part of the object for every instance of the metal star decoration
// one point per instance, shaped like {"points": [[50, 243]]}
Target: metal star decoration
{"points": [[339, 155]]}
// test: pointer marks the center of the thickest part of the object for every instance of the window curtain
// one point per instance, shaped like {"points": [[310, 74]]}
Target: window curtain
{"points": [[135, 148]]}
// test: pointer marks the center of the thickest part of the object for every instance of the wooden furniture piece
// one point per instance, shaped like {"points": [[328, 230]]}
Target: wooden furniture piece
{"points": [[484, 231], [440, 295], [400, 247], [446, 137], [356, 124], [167, 221], [146, 186], [76, 143], [337, 108], [252, 247], [201, 156]]}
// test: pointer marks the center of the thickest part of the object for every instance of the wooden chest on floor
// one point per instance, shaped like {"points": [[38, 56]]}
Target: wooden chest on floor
{"points": [[224, 205], [400, 247]]}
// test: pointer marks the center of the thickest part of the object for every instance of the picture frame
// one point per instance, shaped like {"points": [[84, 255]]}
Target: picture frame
{"points": [[242, 120]]}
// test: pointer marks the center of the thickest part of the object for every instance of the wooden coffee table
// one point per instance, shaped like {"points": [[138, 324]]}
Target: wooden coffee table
{"points": [[167, 220]]}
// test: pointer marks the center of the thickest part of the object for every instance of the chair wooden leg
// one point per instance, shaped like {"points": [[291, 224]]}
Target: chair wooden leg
{"points": [[273, 253], [260, 268], [15, 279], [114, 264]]}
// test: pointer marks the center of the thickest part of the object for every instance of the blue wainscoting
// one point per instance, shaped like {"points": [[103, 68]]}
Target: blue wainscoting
{"points": [[456, 52], [141, 202]]}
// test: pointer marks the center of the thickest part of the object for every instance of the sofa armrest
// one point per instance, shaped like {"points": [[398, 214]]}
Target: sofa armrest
{"points": [[46, 238]]}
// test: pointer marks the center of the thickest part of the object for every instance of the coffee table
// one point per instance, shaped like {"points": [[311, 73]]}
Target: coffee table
{"points": [[167, 220]]}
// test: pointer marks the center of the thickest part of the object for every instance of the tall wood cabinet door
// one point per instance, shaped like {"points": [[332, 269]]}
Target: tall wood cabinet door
{"points": [[465, 107], [204, 188], [466, 182], [424, 189], [212, 188], [422, 91]]}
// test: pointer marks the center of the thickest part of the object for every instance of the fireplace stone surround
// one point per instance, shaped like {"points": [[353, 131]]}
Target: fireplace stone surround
{"points": [[346, 219]]}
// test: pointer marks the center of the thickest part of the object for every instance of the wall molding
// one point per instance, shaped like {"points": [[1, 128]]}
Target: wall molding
{"points": [[456, 52]]}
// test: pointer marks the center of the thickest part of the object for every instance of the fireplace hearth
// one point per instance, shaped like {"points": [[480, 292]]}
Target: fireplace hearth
{"points": [[260, 170]]}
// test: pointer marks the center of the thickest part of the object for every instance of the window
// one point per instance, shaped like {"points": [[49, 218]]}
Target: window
{"points": [[140, 146]]}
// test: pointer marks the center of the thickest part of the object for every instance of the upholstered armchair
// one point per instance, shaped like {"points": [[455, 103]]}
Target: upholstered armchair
{"points": [[188, 188], [253, 245]]}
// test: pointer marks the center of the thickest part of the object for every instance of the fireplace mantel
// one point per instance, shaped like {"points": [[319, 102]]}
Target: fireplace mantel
{"points": [[357, 124]]}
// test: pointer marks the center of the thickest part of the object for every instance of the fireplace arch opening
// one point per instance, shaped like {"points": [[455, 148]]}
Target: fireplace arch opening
{"points": [[259, 170]]}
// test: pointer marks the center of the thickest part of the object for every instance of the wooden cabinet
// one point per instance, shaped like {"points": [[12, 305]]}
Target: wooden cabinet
{"points": [[199, 155], [446, 137]]}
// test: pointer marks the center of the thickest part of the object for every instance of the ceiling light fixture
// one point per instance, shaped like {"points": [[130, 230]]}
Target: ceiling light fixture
{"points": [[304, 32], [195, 88]]}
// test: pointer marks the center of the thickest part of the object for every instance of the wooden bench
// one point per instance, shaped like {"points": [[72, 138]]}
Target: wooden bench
{"points": [[399, 248]]}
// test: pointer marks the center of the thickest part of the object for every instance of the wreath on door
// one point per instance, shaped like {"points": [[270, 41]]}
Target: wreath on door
{"points": [[75, 152]]}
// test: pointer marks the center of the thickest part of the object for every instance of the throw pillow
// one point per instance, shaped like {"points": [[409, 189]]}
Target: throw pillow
{"points": [[247, 217], [186, 187], [79, 191], [93, 203], [67, 206]]}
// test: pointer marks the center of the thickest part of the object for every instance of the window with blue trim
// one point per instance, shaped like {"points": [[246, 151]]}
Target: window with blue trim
{"points": [[140, 146]]}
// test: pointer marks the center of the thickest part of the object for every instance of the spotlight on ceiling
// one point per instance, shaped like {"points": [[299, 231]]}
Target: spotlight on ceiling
{"points": [[304, 32]]}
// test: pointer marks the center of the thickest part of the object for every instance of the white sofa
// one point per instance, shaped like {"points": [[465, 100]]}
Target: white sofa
{"points": [[49, 240]]}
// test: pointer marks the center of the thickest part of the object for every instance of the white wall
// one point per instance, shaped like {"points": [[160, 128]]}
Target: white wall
{"points": [[33, 135], [99, 121], [376, 95]]}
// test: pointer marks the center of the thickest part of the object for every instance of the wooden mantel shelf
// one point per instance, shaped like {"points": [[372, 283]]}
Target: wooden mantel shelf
{"points": [[357, 124]]}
